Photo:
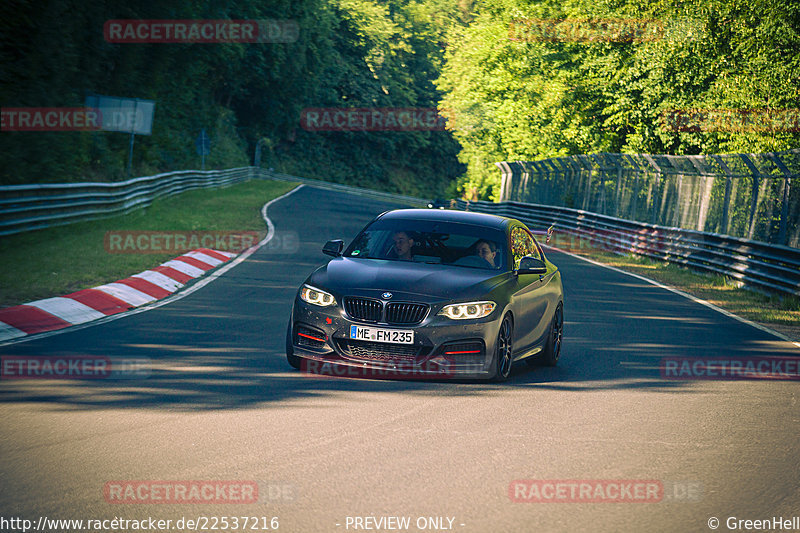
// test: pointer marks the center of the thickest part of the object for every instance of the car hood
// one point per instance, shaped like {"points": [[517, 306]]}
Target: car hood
{"points": [[344, 275]]}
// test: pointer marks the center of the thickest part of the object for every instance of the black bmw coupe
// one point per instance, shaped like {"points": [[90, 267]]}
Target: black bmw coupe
{"points": [[427, 293]]}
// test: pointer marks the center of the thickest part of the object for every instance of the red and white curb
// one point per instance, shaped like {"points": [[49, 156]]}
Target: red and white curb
{"points": [[109, 299]]}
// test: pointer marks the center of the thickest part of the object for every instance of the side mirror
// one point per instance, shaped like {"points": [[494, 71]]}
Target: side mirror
{"points": [[333, 248], [531, 265]]}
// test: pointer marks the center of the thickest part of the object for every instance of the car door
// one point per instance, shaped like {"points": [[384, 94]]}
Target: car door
{"points": [[530, 301]]}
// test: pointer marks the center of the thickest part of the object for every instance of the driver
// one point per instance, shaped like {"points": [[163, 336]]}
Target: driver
{"points": [[403, 245], [487, 250]]}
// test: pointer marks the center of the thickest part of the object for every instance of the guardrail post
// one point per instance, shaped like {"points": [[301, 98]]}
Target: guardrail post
{"points": [[636, 170], [575, 179], [524, 176], [726, 205], [560, 178], [677, 217], [552, 183], [656, 191], [537, 191], [535, 181], [600, 206], [544, 197], [617, 190], [705, 202], [601, 200], [505, 181], [787, 183], [657, 168], [705, 191], [726, 202], [754, 198], [588, 194], [782, 238]]}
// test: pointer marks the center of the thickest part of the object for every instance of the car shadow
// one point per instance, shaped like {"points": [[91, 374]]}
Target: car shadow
{"points": [[231, 370]]}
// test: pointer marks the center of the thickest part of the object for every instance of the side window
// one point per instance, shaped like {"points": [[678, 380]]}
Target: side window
{"points": [[522, 244]]}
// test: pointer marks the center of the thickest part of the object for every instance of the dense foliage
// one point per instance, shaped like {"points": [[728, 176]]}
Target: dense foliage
{"points": [[510, 95], [526, 97], [350, 53]]}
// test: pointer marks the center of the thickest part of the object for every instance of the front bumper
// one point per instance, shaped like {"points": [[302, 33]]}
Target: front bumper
{"points": [[443, 348]]}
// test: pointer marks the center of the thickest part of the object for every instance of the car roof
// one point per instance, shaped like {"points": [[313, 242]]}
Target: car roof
{"points": [[449, 215]]}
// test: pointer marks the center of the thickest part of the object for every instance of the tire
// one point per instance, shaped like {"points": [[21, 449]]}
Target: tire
{"points": [[503, 350], [555, 337], [294, 361]]}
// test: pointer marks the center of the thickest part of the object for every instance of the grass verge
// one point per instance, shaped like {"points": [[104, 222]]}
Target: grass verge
{"points": [[56, 261], [781, 313]]}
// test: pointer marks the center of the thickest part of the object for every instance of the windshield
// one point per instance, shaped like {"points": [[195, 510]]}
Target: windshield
{"points": [[421, 241]]}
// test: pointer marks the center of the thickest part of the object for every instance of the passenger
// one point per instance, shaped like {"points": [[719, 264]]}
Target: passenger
{"points": [[487, 250]]}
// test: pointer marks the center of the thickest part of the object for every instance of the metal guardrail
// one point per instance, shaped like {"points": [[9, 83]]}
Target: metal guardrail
{"points": [[770, 267], [36, 206], [30, 207]]}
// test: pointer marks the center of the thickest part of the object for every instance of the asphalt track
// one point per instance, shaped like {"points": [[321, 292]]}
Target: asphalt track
{"points": [[222, 404]]}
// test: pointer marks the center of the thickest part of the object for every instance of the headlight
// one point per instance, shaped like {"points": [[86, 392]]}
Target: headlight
{"points": [[468, 310], [315, 296]]}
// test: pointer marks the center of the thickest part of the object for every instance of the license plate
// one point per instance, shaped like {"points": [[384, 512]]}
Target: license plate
{"points": [[395, 336]]}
